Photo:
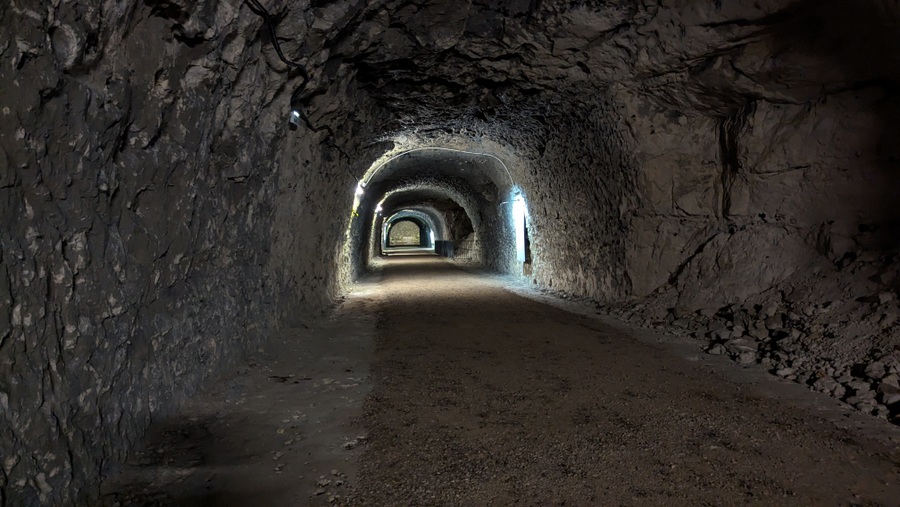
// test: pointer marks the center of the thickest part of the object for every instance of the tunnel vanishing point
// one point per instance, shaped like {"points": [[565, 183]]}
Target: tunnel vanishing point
{"points": [[180, 179]]}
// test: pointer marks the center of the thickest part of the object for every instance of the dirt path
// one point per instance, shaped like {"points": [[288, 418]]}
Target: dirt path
{"points": [[436, 386], [483, 397], [281, 429]]}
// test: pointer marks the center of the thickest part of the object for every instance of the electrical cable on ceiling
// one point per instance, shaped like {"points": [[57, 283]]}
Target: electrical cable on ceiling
{"points": [[296, 116], [258, 9]]}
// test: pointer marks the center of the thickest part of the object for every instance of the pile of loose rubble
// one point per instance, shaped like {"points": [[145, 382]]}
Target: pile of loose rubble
{"points": [[789, 343], [848, 347]]}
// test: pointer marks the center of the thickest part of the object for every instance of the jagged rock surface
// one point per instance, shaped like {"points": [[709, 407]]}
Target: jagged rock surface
{"points": [[158, 216]]}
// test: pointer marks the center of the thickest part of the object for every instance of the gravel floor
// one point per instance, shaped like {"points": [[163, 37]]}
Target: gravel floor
{"points": [[483, 397], [437, 386]]}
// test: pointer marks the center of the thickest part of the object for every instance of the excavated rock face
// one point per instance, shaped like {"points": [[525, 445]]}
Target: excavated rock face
{"points": [[130, 206], [159, 217]]}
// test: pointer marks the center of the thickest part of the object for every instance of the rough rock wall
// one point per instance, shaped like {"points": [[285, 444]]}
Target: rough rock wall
{"points": [[578, 190], [777, 154], [787, 186], [685, 147], [134, 199], [313, 208], [493, 243], [155, 209], [756, 145], [458, 224], [762, 159]]}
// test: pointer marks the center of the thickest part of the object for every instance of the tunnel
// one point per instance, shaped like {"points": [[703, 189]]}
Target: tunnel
{"points": [[490, 226], [407, 232]]}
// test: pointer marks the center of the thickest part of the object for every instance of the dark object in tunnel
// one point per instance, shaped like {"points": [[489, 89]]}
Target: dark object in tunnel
{"points": [[444, 248]]}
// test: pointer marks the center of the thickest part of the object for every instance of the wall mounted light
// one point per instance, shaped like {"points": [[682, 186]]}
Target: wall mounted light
{"points": [[519, 214], [378, 209], [294, 118], [360, 188]]}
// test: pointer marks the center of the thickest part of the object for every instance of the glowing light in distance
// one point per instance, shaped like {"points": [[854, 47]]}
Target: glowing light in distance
{"points": [[360, 188]]}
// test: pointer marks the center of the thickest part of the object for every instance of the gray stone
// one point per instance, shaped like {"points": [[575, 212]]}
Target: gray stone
{"points": [[891, 380], [747, 357], [768, 311], [858, 386], [717, 349], [706, 312], [875, 370], [741, 346], [888, 394], [865, 407], [721, 334], [773, 323], [838, 391], [759, 334]]}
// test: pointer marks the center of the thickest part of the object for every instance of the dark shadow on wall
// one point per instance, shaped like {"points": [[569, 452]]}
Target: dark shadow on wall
{"points": [[857, 46]]}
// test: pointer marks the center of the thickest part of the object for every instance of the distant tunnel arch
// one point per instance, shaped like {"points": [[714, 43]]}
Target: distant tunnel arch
{"points": [[406, 231]]}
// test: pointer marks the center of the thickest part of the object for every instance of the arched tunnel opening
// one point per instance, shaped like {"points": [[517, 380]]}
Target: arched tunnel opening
{"points": [[407, 232], [458, 191], [223, 220]]}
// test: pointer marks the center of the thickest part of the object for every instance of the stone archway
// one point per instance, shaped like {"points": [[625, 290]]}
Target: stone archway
{"points": [[405, 232]]}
